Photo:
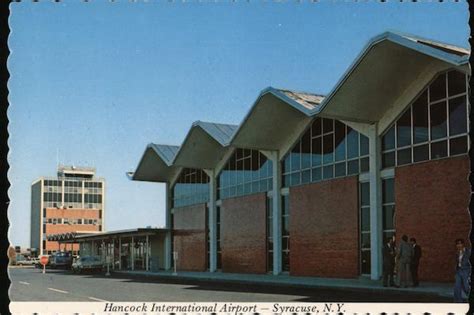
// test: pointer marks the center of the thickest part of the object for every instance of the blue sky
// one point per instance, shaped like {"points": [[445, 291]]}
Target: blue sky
{"points": [[98, 81]]}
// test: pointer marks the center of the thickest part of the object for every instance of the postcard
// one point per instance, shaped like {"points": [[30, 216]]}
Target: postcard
{"points": [[239, 157]]}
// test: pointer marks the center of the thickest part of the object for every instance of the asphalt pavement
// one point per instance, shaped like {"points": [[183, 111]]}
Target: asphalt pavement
{"points": [[29, 284]]}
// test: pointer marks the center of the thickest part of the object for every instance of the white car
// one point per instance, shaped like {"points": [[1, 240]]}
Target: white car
{"points": [[26, 262]]}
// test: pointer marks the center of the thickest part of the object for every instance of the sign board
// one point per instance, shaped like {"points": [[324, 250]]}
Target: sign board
{"points": [[44, 260], [108, 259], [175, 255]]}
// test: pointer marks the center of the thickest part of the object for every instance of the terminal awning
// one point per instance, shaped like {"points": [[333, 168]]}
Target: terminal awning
{"points": [[156, 163], [274, 117], [385, 69], [204, 145]]}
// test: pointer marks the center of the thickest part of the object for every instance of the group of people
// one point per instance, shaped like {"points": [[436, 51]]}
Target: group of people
{"points": [[400, 264]]}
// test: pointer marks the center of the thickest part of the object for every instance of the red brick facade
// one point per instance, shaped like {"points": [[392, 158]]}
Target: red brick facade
{"points": [[324, 229], [432, 201], [243, 234], [65, 228], [189, 234]]}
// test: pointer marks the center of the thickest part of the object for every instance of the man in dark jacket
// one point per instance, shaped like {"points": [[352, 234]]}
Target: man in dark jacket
{"points": [[415, 262], [388, 255], [463, 271]]}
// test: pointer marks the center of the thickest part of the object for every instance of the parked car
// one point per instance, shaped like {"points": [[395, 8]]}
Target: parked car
{"points": [[61, 260], [87, 263], [28, 262]]}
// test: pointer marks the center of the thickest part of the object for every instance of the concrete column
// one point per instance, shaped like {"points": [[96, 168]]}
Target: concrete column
{"points": [[147, 257], [120, 253], [167, 248], [375, 203], [212, 221], [276, 212]]}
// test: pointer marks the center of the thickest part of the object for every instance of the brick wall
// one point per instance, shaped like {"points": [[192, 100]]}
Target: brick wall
{"points": [[243, 234], [324, 229], [432, 201], [190, 237], [65, 228]]}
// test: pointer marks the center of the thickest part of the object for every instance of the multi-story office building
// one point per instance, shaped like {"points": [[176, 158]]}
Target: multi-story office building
{"points": [[313, 185], [71, 202]]}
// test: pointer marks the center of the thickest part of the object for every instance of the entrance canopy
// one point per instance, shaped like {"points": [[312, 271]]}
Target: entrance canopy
{"points": [[97, 236]]}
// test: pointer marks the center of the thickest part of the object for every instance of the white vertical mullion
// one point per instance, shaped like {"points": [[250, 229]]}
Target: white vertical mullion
{"points": [[428, 97], [448, 133], [412, 130]]}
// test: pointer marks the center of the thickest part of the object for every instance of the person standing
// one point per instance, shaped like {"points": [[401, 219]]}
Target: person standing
{"points": [[463, 270], [388, 255], [405, 256], [415, 262]]}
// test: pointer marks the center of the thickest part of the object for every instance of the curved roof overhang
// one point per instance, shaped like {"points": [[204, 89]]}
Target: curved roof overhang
{"points": [[204, 145], [156, 164], [273, 117], [385, 69]]}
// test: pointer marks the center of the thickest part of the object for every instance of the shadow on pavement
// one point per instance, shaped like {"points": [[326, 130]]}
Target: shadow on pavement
{"points": [[307, 294]]}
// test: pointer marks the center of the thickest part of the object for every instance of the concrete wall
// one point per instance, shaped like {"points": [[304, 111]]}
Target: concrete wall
{"points": [[324, 229], [243, 234], [432, 200], [189, 232]]}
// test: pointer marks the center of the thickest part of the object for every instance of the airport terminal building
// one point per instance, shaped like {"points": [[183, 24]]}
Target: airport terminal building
{"points": [[312, 185]]}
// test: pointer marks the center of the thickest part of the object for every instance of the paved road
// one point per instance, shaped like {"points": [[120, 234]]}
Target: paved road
{"points": [[29, 284]]}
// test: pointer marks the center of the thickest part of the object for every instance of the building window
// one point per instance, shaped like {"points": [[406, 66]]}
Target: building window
{"points": [[285, 232], [44, 245], [364, 222], [192, 187], [326, 150], [434, 126], [44, 228], [79, 221], [218, 237], [208, 241], [269, 234], [388, 208], [246, 172]]}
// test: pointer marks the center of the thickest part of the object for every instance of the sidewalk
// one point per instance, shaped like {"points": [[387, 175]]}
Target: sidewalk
{"points": [[442, 289]]}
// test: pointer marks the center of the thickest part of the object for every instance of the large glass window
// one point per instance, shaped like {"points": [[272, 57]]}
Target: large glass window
{"points": [[326, 150], [388, 208], [434, 126], [192, 187], [246, 172], [285, 232], [364, 222], [218, 237]]}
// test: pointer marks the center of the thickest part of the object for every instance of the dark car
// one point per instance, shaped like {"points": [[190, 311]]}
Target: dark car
{"points": [[87, 263], [60, 260]]}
